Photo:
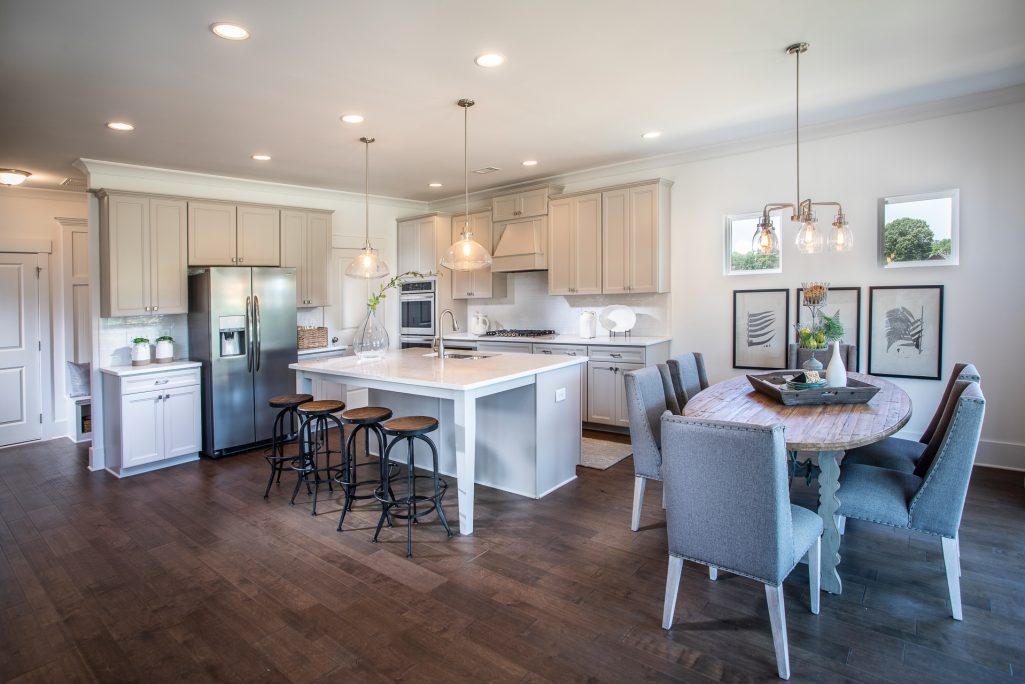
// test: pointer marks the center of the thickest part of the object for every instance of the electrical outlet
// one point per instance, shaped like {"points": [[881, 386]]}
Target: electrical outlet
{"points": [[560, 394]]}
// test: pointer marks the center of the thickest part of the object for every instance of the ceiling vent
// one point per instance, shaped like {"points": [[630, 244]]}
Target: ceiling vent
{"points": [[487, 169], [73, 184]]}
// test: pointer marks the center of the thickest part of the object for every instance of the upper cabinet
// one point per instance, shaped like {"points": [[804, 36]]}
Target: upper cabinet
{"points": [[226, 234], [520, 205], [143, 257], [611, 241], [473, 284], [417, 239], [306, 246]]}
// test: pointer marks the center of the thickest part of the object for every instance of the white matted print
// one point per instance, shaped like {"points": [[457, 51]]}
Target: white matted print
{"points": [[844, 302], [905, 331], [761, 319]]}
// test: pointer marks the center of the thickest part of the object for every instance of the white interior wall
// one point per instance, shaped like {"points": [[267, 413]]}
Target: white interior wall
{"points": [[30, 214]]}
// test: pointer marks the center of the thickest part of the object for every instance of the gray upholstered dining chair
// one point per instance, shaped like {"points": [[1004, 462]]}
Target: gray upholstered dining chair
{"points": [[683, 376], [796, 355], [645, 404], [728, 506], [931, 499]]}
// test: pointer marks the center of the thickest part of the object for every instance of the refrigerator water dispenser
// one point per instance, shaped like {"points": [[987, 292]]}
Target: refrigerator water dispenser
{"points": [[232, 334]]}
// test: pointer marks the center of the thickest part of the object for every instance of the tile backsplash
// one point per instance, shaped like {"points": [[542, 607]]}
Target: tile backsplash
{"points": [[527, 304], [116, 336]]}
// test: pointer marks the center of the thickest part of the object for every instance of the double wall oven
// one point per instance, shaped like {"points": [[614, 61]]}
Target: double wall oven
{"points": [[417, 300]]}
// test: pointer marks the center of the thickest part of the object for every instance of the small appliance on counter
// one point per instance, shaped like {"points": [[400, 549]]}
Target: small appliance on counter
{"points": [[588, 325], [479, 324]]}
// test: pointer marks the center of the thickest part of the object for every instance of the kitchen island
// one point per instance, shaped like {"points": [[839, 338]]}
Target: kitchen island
{"points": [[508, 421]]}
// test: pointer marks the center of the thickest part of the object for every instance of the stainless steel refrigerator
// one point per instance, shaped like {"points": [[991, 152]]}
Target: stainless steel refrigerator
{"points": [[242, 327]]}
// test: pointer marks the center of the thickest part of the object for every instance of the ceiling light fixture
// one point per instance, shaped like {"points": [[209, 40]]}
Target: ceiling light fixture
{"points": [[367, 264], [490, 60], [651, 135], [261, 157], [466, 254], [352, 118], [530, 162], [11, 177], [809, 238], [434, 185], [228, 31], [120, 126]]}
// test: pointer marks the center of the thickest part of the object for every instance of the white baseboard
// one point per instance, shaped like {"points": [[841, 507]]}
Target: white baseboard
{"points": [[1006, 455]]}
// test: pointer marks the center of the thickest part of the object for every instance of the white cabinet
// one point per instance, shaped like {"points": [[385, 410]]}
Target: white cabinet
{"points": [[306, 247], [152, 418], [505, 347], [575, 245], [226, 234], [570, 350], [416, 244], [143, 262], [520, 205], [606, 400], [477, 284]]}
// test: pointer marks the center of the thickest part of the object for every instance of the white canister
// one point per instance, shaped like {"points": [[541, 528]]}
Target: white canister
{"points": [[140, 352], [164, 350], [588, 325]]}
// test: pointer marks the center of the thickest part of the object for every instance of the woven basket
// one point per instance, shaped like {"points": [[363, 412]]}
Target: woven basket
{"points": [[312, 338]]}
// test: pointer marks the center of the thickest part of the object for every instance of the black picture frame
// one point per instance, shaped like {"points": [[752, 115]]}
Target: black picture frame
{"points": [[799, 292], [777, 343], [885, 363]]}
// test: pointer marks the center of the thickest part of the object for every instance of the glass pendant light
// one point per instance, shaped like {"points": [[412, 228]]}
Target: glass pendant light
{"points": [[765, 240], [840, 238], [466, 254], [809, 238], [368, 265]]}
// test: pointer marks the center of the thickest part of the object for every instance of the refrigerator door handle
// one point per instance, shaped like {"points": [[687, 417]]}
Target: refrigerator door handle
{"points": [[256, 318], [249, 342]]}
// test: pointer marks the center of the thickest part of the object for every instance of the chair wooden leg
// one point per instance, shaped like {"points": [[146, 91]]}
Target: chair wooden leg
{"points": [[815, 574], [957, 539], [778, 620], [663, 495], [635, 520], [713, 573], [672, 589], [841, 523], [953, 566]]}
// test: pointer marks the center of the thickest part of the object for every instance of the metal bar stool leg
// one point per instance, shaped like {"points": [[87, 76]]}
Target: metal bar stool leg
{"points": [[385, 505], [277, 450], [437, 488]]}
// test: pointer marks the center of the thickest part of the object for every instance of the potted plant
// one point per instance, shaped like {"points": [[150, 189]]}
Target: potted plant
{"points": [[165, 349], [371, 339], [140, 351]]}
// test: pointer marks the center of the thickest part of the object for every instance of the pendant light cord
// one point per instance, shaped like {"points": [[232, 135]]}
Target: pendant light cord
{"points": [[466, 166], [366, 193], [797, 124]]}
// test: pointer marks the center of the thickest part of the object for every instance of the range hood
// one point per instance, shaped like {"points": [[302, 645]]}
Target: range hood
{"points": [[520, 247]]}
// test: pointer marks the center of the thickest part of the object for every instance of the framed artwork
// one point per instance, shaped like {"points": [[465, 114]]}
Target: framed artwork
{"points": [[844, 302], [905, 331], [919, 230], [739, 257], [761, 319]]}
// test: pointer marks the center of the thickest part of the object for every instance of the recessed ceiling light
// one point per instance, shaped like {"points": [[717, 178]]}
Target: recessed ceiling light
{"points": [[261, 157], [490, 60], [229, 31], [434, 185], [530, 162], [13, 176], [120, 126], [352, 118], [651, 135]]}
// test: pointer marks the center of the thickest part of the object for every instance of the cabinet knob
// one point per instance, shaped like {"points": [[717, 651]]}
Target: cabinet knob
{"points": [[154, 308], [240, 260], [147, 308]]}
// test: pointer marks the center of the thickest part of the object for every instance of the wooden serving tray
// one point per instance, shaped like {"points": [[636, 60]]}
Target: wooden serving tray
{"points": [[774, 385]]}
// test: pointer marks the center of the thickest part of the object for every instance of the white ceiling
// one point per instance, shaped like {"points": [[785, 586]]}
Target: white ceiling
{"points": [[584, 79]]}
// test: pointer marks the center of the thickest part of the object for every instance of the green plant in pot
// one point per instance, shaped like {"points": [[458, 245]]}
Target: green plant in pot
{"points": [[140, 351], [371, 340], [165, 349]]}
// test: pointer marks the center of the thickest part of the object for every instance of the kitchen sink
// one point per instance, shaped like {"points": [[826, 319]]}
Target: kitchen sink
{"points": [[471, 356]]}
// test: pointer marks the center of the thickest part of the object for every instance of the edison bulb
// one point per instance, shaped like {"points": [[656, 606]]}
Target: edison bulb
{"points": [[466, 248], [809, 239], [840, 238]]}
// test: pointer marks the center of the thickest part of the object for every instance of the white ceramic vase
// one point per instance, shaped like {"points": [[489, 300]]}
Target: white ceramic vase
{"points": [[836, 374], [164, 351], [140, 353]]}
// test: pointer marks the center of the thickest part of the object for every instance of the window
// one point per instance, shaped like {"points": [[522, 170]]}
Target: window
{"points": [[739, 258], [919, 230]]}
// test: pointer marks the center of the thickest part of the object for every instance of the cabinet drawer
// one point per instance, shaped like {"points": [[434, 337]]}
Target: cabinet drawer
{"points": [[623, 354], [152, 381], [566, 349], [516, 347]]}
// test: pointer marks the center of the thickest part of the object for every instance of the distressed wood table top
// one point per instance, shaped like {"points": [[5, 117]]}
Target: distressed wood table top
{"points": [[808, 428]]}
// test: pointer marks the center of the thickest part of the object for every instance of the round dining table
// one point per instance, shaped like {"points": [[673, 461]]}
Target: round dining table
{"points": [[827, 429]]}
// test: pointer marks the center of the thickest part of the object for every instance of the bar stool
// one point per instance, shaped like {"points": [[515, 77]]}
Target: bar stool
{"points": [[315, 450], [288, 403], [368, 421], [410, 429]]}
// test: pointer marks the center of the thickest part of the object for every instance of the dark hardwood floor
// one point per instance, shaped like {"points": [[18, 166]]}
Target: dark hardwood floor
{"points": [[189, 574]]}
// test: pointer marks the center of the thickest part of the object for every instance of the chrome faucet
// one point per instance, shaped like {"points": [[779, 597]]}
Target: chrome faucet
{"points": [[439, 341]]}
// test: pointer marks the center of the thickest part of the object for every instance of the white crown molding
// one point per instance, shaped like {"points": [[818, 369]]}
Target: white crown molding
{"points": [[133, 177], [68, 222], [53, 194]]}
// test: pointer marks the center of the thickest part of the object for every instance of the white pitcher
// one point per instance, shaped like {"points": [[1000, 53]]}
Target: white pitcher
{"points": [[588, 325], [836, 374], [479, 324]]}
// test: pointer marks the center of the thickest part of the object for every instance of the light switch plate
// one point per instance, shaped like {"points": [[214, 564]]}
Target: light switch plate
{"points": [[560, 394]]}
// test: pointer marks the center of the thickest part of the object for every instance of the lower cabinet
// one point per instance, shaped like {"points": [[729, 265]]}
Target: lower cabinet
{"points": [[606, 392], [152, 419], [570, 350]]}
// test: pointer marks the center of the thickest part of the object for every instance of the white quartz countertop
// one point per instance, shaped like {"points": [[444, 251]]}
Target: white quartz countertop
{"points": [[415, 367], [150, 368], [600, 341], [336, 348]]}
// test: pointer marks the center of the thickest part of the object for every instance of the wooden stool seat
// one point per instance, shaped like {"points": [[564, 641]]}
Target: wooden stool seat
{"points": [[408, 426], [366, 415], [289, 400], [321, 407]]}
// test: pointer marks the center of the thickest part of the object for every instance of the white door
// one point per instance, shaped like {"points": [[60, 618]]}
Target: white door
{"points": [[20, 384], [142, 428], [182, 433], [601, 393]]}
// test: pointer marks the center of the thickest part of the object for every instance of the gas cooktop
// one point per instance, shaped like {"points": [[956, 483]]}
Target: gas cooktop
{"points": [[515, 332]]}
